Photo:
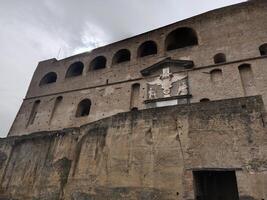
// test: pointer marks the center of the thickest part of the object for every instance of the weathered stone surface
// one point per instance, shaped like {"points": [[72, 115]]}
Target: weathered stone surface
{"points": [[147, 154], [3, 158], [57, 150]]}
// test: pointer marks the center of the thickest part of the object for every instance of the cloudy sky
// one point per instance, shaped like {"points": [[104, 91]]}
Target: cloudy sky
{"points": [[35, 30]]}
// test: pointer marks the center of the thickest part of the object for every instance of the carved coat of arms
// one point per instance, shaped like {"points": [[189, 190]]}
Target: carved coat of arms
{"points": [[166, 81]]}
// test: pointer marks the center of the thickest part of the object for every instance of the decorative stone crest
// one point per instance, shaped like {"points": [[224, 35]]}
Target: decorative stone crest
{"points": [[167, 80]]}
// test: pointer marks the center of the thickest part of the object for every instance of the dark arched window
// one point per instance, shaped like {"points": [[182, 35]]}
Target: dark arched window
{"points": [[147, 48], [98, 63], [75, 69], [49, 78], [83, 108], [204, 100], [263, 49], [181, 37], [219, 58], [122, 55]]}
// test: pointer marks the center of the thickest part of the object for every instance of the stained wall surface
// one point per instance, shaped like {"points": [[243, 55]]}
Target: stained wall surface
{"points": [[148, 154], [236, 31]]}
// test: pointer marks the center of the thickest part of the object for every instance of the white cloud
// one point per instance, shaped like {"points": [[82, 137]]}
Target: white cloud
{"points": [[91, 37]]}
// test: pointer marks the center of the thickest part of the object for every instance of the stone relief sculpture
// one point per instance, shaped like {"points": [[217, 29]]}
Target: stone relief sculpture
{"points": [[182, 87], [166, 81], [152, 94]]}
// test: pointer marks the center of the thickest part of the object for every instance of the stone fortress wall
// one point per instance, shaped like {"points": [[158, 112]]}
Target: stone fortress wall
{"points": [[175, 113], [152, 154], [221, 54]]}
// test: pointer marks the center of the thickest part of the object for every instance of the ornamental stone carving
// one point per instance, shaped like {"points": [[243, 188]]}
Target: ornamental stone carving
{"points": [[167, 85]]}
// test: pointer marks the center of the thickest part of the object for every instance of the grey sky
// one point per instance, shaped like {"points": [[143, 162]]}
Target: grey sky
{"points": [[35, 30]]}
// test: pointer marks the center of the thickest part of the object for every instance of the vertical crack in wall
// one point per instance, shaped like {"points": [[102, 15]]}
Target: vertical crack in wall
{"points": [[99, 133], [149, 140], [179, 129], [6, 167], [12, 169], [77, 154], [133, 118], [47, 159], [62, 167]]}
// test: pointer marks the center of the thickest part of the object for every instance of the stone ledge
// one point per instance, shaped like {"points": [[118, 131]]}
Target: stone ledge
{"points": [[168, 98]]}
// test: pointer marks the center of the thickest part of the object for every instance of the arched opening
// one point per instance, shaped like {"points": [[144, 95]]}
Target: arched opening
{"points": [[122, 55], [263, 49], [219, 58], [204, 100], [83, 108], [135, 93], [75, 69], [216, 75], [147, 48], [181, 37], [55, 108], [49, 78], [33, 113], [247, 79], [98, 63]]}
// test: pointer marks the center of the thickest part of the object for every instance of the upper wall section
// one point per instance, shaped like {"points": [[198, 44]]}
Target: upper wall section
{"points": [[235, 31]]}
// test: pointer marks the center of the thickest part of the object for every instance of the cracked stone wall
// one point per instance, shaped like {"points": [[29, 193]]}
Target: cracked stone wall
{"points": [[147, 154]]}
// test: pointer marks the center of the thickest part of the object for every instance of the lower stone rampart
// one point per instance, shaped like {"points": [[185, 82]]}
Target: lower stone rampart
{"points": [[149, 154]]}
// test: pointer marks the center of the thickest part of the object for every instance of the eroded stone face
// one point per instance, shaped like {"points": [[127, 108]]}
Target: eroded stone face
{"points": [[149, 154], [3, 158], [121, 193]]}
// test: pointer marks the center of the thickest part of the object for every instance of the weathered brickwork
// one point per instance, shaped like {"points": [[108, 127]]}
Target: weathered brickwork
{"points": [[147, 154], [175, 113]]}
